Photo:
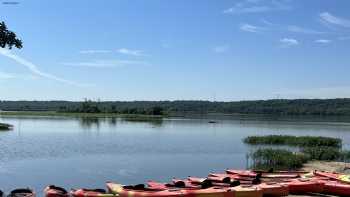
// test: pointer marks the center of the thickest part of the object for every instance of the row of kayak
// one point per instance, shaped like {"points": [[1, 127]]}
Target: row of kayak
{"points": [[232, 183]]}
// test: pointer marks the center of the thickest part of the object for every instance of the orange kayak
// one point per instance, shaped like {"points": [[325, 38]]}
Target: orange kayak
{"points": [[304, 186], [335, 176]]}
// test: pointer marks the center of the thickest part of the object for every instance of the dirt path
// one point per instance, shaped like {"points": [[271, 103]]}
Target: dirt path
{"points": [[332, 166]]}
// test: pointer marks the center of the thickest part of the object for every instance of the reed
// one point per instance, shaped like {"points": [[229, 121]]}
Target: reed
{"points": [[299, 141]]}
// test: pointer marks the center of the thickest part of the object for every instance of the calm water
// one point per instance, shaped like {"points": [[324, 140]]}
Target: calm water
{"points": [[74, 152]]}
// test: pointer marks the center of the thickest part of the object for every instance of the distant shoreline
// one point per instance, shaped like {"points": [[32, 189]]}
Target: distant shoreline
{"points": [[74, 114], [278, 107]]}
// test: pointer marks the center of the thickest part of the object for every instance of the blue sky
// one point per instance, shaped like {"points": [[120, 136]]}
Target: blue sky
{"points": [[169, 50]]}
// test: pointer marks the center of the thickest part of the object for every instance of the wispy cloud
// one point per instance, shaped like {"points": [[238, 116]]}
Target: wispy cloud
{"points": [[297, 29], [256, 6], [94, 51], [105, 63], [221, 49], [126, 51], [35, 69], [4, 75], [288, 42], [250, 28], [330, 19], [323, 41]]}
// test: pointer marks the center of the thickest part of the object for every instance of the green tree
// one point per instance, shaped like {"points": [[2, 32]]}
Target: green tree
{"points": [[8, 38]]}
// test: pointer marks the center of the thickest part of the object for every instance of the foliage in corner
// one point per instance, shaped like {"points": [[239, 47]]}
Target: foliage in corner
{"points": [[8, 39]]}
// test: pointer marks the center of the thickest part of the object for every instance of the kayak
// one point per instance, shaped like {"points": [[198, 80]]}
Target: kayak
{"points": [[282, 171], [270, 175], [213, 181], [159, 186], [336, 176], [90, 193], [54, 191], [336, 188], [274, 189], [128, 191], [239, 191], [244, 173], [183, 183], [234, 177], [23, 192], [273, 175], [304, 186]]}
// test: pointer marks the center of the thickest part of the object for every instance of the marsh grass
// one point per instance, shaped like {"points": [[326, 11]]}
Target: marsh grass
{"points": [[299, 141], [266, 158]]}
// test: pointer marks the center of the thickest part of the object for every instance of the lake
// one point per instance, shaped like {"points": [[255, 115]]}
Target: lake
{"points": [[87, 152]]}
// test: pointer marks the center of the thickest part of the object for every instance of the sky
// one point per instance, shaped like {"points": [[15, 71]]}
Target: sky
{"points": [[222, 50]]}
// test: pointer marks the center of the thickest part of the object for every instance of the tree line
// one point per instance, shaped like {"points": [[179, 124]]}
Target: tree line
{"points": [[274, 107]]}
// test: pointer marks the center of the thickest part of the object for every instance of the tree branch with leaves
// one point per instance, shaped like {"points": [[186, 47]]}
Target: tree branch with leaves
{"points": [[8, 39]]}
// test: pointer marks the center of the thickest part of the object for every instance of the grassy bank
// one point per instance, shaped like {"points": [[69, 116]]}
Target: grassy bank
{"points": [[300, 141]]}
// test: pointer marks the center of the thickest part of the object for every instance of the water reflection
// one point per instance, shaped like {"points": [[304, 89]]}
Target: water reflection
{"points": [[155, 122]]}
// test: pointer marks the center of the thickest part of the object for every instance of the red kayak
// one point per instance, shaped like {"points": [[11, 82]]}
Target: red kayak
{"points": [[126, 191], [304, 186], [213, 181], [183, 183], [336, 188], [90, 193], [54, 191], [159, 186], [244, 173], [24, 192], [274, 189], [233, 177], [273, 175]]}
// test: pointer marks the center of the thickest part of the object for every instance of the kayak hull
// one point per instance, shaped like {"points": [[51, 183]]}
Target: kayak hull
{"points": [[90, 193], [54, 191], [298, 186], [238, 191]]}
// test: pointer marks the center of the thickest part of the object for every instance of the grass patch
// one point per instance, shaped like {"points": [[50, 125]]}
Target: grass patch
{"points": [[299, 141], [278, 159], [322, 153]]}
